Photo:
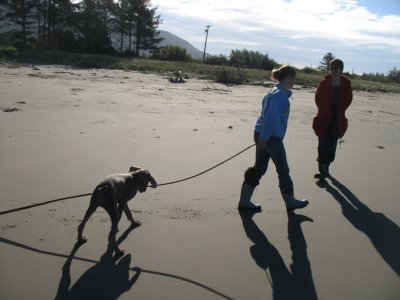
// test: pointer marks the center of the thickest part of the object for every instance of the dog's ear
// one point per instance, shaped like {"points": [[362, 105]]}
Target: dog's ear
{"points": [[146, 177], [134, 169], [143, 178]]}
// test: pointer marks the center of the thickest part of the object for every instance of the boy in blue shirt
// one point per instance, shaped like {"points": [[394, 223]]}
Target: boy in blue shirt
{"points": [[269, 132]]}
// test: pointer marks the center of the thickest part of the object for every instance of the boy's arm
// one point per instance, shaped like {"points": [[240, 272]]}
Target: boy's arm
{"points": [[272, 116]]}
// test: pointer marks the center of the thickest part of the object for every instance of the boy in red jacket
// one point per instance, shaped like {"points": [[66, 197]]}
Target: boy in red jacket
{"points": [[332, 97]]}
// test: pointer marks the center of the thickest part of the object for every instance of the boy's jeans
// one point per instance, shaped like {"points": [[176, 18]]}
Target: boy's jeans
{"points": [[276, 151]]}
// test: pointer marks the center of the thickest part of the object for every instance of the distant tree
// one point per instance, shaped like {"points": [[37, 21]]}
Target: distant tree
{"points": [[173, 53], [20, 12], [146, 26], [268, 63], [54, 23], [310, 70], [85, 26], [237, 57], [2, 14], [251, 59], [120, 25], [93, 31], [394, 74], [220, 60], [125, 20], [324, 63], [107, 9], [375, 77], [137, 21], [66, 34]]}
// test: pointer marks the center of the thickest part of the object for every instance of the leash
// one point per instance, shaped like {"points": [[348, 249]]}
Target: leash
{"points": [[41, 203], [208, 170], [89, 194]]}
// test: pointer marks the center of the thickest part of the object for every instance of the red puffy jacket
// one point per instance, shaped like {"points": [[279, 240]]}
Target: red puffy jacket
{"points": [[324, 99]]}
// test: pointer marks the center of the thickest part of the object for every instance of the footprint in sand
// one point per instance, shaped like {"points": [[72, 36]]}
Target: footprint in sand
{"points": [[10, 109], [76, 90], [8, 227]]}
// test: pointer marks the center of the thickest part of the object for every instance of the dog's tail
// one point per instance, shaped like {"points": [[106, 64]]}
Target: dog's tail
{"points": [[99, 194], [102, 188]]}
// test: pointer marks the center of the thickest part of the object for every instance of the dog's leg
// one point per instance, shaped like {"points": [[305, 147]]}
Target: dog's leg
{"points": [[113, 242], [120, 210], [128, 214], [91, 209], [114, 215], [96, 199]]}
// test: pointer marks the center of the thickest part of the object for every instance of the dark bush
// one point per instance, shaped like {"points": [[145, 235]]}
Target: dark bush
{"points": [[173, 53], [220, 60], [230, 75]]}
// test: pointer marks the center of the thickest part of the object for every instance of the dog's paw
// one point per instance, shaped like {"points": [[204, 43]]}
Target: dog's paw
{"points": [[119, 251], [135, 223]]}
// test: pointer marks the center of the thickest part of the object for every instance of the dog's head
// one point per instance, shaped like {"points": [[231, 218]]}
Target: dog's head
{"points": [[144, 178]]}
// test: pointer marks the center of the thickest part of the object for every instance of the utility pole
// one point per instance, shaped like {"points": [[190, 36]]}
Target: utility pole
{"points": [[205, 44]]}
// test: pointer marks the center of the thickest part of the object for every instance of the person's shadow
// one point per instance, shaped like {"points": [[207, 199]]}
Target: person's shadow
{"points": [[108, 279], [383, 233], [296, 283]]}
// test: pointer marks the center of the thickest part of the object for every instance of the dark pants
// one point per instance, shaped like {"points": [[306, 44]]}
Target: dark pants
{"points": [[275, 150], [327, 143]]}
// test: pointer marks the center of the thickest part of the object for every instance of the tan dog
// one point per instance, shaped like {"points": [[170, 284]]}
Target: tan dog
{"points": [[113, 194]]}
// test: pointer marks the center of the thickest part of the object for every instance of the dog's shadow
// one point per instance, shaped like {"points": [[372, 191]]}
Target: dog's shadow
{"points": [[296, 283], [383, 233], [108, 279]]}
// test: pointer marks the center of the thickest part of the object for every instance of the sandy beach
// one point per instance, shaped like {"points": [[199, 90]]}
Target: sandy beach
{"points": [[62, 130]]}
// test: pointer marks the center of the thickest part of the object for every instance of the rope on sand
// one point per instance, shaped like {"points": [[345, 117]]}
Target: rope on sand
{"points": [[41, 203], [89, 194]]}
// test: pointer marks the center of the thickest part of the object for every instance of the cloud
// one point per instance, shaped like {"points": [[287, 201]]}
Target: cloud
{"points": [[297, 31], [343, 20]]}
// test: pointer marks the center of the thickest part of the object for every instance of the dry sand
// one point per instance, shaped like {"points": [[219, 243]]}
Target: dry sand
{"points": [[62, 130]]}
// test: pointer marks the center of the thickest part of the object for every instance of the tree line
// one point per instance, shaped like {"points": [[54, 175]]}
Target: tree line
{"points": [[392, 76], [244, 58], [237, 58], [86, 26]]}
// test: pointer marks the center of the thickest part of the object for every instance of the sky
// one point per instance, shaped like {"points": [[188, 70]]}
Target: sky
{"points": [[364, 34]]}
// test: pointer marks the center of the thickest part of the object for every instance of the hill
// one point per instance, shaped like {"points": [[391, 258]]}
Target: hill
{"points": [[173, 40]]}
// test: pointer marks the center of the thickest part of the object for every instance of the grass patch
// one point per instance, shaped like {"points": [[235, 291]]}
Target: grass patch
{"points": [[373, 86], [224, 74], [8, 49]]}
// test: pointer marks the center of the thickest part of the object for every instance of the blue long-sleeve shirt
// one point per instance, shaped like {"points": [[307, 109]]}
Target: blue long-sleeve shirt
{"points": [[274, 116]]}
